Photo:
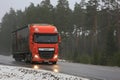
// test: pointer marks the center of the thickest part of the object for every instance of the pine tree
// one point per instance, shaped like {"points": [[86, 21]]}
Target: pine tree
{"points": [[63, 14]]}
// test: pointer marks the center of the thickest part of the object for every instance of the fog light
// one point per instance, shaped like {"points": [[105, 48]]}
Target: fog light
{"points": [[36, 56], [56, 56]]}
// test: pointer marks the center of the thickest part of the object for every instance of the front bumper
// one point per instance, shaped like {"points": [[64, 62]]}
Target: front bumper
{"points": [[36, 58]]}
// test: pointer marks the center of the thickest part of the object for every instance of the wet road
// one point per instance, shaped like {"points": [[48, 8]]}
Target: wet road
{"points": [[82, 70]]}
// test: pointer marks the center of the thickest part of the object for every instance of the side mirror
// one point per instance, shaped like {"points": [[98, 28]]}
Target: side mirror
{"points": [[59, 39]]}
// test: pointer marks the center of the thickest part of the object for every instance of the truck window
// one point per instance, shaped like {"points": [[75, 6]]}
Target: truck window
{"points": [[46, 38]]}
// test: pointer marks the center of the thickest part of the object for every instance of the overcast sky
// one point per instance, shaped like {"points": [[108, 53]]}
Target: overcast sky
{"points": [[5, 5]]}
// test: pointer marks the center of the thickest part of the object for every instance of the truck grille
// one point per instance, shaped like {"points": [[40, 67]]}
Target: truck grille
{"points": [[46, 54]]}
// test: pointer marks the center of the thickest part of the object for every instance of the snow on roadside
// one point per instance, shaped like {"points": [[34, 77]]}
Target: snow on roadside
{"points": [[21, 73], [62, 60]]}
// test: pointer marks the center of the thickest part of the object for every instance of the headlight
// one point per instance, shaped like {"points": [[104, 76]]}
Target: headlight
{"points": [[56, 56], [36, 56]]}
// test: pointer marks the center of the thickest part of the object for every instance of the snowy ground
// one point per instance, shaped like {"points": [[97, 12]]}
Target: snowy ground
{"points": [[21, 73]]}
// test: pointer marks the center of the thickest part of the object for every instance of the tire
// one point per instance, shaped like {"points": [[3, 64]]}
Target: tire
{"points": [[26, 59], [31, 59], [16, 59], [54, 62]]}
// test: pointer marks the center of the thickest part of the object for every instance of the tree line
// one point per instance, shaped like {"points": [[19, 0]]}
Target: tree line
{"points": [[90, 32]]}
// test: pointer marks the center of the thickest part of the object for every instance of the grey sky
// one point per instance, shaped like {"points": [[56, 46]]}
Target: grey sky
{"points": [[5, 5]]}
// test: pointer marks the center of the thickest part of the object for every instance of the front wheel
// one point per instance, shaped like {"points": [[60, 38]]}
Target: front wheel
{"points": [[54, 62], [31, 59], [26, 59], [16, 59]]}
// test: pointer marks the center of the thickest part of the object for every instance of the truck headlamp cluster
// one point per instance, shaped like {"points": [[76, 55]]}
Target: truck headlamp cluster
{"points": [[36, 30], [46, 49], [55, 30], [36, 56], [56, 56]]}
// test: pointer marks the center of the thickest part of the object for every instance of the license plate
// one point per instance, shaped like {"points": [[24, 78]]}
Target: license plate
{"points": [[46, 60]]}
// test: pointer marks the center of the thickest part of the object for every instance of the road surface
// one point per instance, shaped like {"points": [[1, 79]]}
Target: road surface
{"points": [[82, 70]]}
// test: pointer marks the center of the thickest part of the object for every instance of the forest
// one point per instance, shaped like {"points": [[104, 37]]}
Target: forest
{"points": [[90, 32]]}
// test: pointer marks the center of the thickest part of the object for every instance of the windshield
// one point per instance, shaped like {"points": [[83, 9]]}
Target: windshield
{"points": [[45, 38]]}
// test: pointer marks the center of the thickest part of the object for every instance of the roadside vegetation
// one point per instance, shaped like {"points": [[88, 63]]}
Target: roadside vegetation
{"points": [[90, 32]]}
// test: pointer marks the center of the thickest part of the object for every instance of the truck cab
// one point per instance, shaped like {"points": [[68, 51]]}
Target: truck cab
{"points": [[44, 40]]}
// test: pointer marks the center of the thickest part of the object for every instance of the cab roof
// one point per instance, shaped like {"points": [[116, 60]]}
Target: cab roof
{"points": [[43, 28]]}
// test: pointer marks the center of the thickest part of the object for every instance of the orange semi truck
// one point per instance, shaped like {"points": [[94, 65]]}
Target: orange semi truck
{"points": [[36, 43]]}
